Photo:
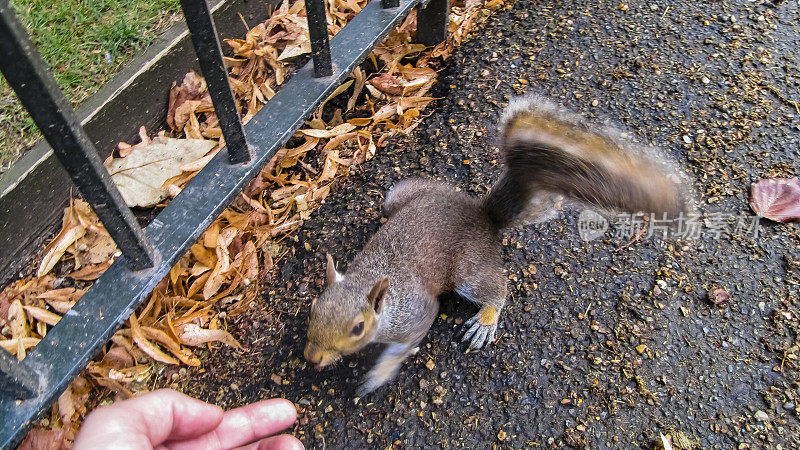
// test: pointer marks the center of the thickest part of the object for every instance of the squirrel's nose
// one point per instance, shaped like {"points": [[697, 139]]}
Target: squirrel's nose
{"points": [[313, 354]]}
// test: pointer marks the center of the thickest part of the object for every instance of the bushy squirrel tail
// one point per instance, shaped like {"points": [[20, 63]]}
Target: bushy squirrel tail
{"points": [[548, 152]]}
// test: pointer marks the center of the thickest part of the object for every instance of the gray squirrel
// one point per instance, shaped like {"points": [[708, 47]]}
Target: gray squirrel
{"points": [[438, 239]]}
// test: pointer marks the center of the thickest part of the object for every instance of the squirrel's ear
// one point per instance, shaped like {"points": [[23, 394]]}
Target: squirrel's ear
{"points": [[377, 294], [331, 275]]}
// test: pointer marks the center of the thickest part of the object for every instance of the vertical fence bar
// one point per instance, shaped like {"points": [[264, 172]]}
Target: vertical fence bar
{"points": [[318, 32], [432, 21], [390, 3], [16, 379], [209, 54], [37, 90]]}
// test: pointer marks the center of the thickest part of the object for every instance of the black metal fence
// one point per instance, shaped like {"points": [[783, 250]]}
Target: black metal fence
{"points": [[29, 387]]}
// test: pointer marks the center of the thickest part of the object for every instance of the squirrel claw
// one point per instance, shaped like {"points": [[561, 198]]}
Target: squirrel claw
{"points": [[368, 385], [478, 335]]}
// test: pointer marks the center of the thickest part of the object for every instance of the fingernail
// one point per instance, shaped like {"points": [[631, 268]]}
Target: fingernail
{"points": [[283, 408]]}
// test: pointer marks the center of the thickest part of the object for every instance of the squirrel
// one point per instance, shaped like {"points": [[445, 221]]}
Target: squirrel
{"points": [[438, 239]]}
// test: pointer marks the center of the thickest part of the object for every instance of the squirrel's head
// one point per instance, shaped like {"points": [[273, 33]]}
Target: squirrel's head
{"points": [[344, 318]]}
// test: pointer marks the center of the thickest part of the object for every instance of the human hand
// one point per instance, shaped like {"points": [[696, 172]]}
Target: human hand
{"points": [[167, 419]]}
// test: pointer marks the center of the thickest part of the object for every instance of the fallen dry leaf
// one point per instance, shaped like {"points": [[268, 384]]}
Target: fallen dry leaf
{"points": [[43, 439], [42, 315], [93, 248], [192, 89], [193, 335], [71, 231], [776, 199], [217, 276], [146, 346], [335, 131], [140, 175], [12, 345]]}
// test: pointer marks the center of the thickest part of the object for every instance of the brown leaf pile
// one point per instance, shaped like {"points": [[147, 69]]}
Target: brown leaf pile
{"points": [[221, 274]]}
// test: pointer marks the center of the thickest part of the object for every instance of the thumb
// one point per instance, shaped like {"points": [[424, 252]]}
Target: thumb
{"points": [[148, 420]]}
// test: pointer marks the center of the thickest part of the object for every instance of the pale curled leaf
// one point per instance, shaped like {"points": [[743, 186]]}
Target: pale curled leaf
{"points": [[124, 149], [217, 277], [335, 131], [89, 273], [42, 315], [776, 199], [140, 175], [193, 335], [297, 48], [146, 346], [184, 354], [17, 320]]}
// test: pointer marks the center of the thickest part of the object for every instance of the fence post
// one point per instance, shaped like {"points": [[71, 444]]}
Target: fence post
{"points": [[432, 21], [209, 54], [318, 32]]}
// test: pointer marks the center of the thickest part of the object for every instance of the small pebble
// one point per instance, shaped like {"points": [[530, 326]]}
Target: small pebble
{"points": [[761, 415]]}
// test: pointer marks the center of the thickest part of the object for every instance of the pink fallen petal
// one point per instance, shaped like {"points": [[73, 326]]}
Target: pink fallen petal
{"points": [[776, 199]]}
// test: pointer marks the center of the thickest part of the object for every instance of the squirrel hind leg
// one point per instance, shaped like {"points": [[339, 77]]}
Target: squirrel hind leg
{"points": [[482, 282]]}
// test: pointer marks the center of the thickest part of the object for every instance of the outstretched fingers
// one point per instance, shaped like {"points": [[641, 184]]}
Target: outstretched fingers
{"points": [[280, 442], [246, 425]]}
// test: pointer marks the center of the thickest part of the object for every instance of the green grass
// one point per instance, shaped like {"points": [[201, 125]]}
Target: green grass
{"points": [[84, 42]]}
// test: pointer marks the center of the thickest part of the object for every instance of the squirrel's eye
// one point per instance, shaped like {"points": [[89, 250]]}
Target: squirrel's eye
{"points": [[358, 329]]}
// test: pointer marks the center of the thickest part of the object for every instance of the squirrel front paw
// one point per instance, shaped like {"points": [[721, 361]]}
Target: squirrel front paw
{"points": [[386, 367], [481, 327], [374, 379], [366, 386]]}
